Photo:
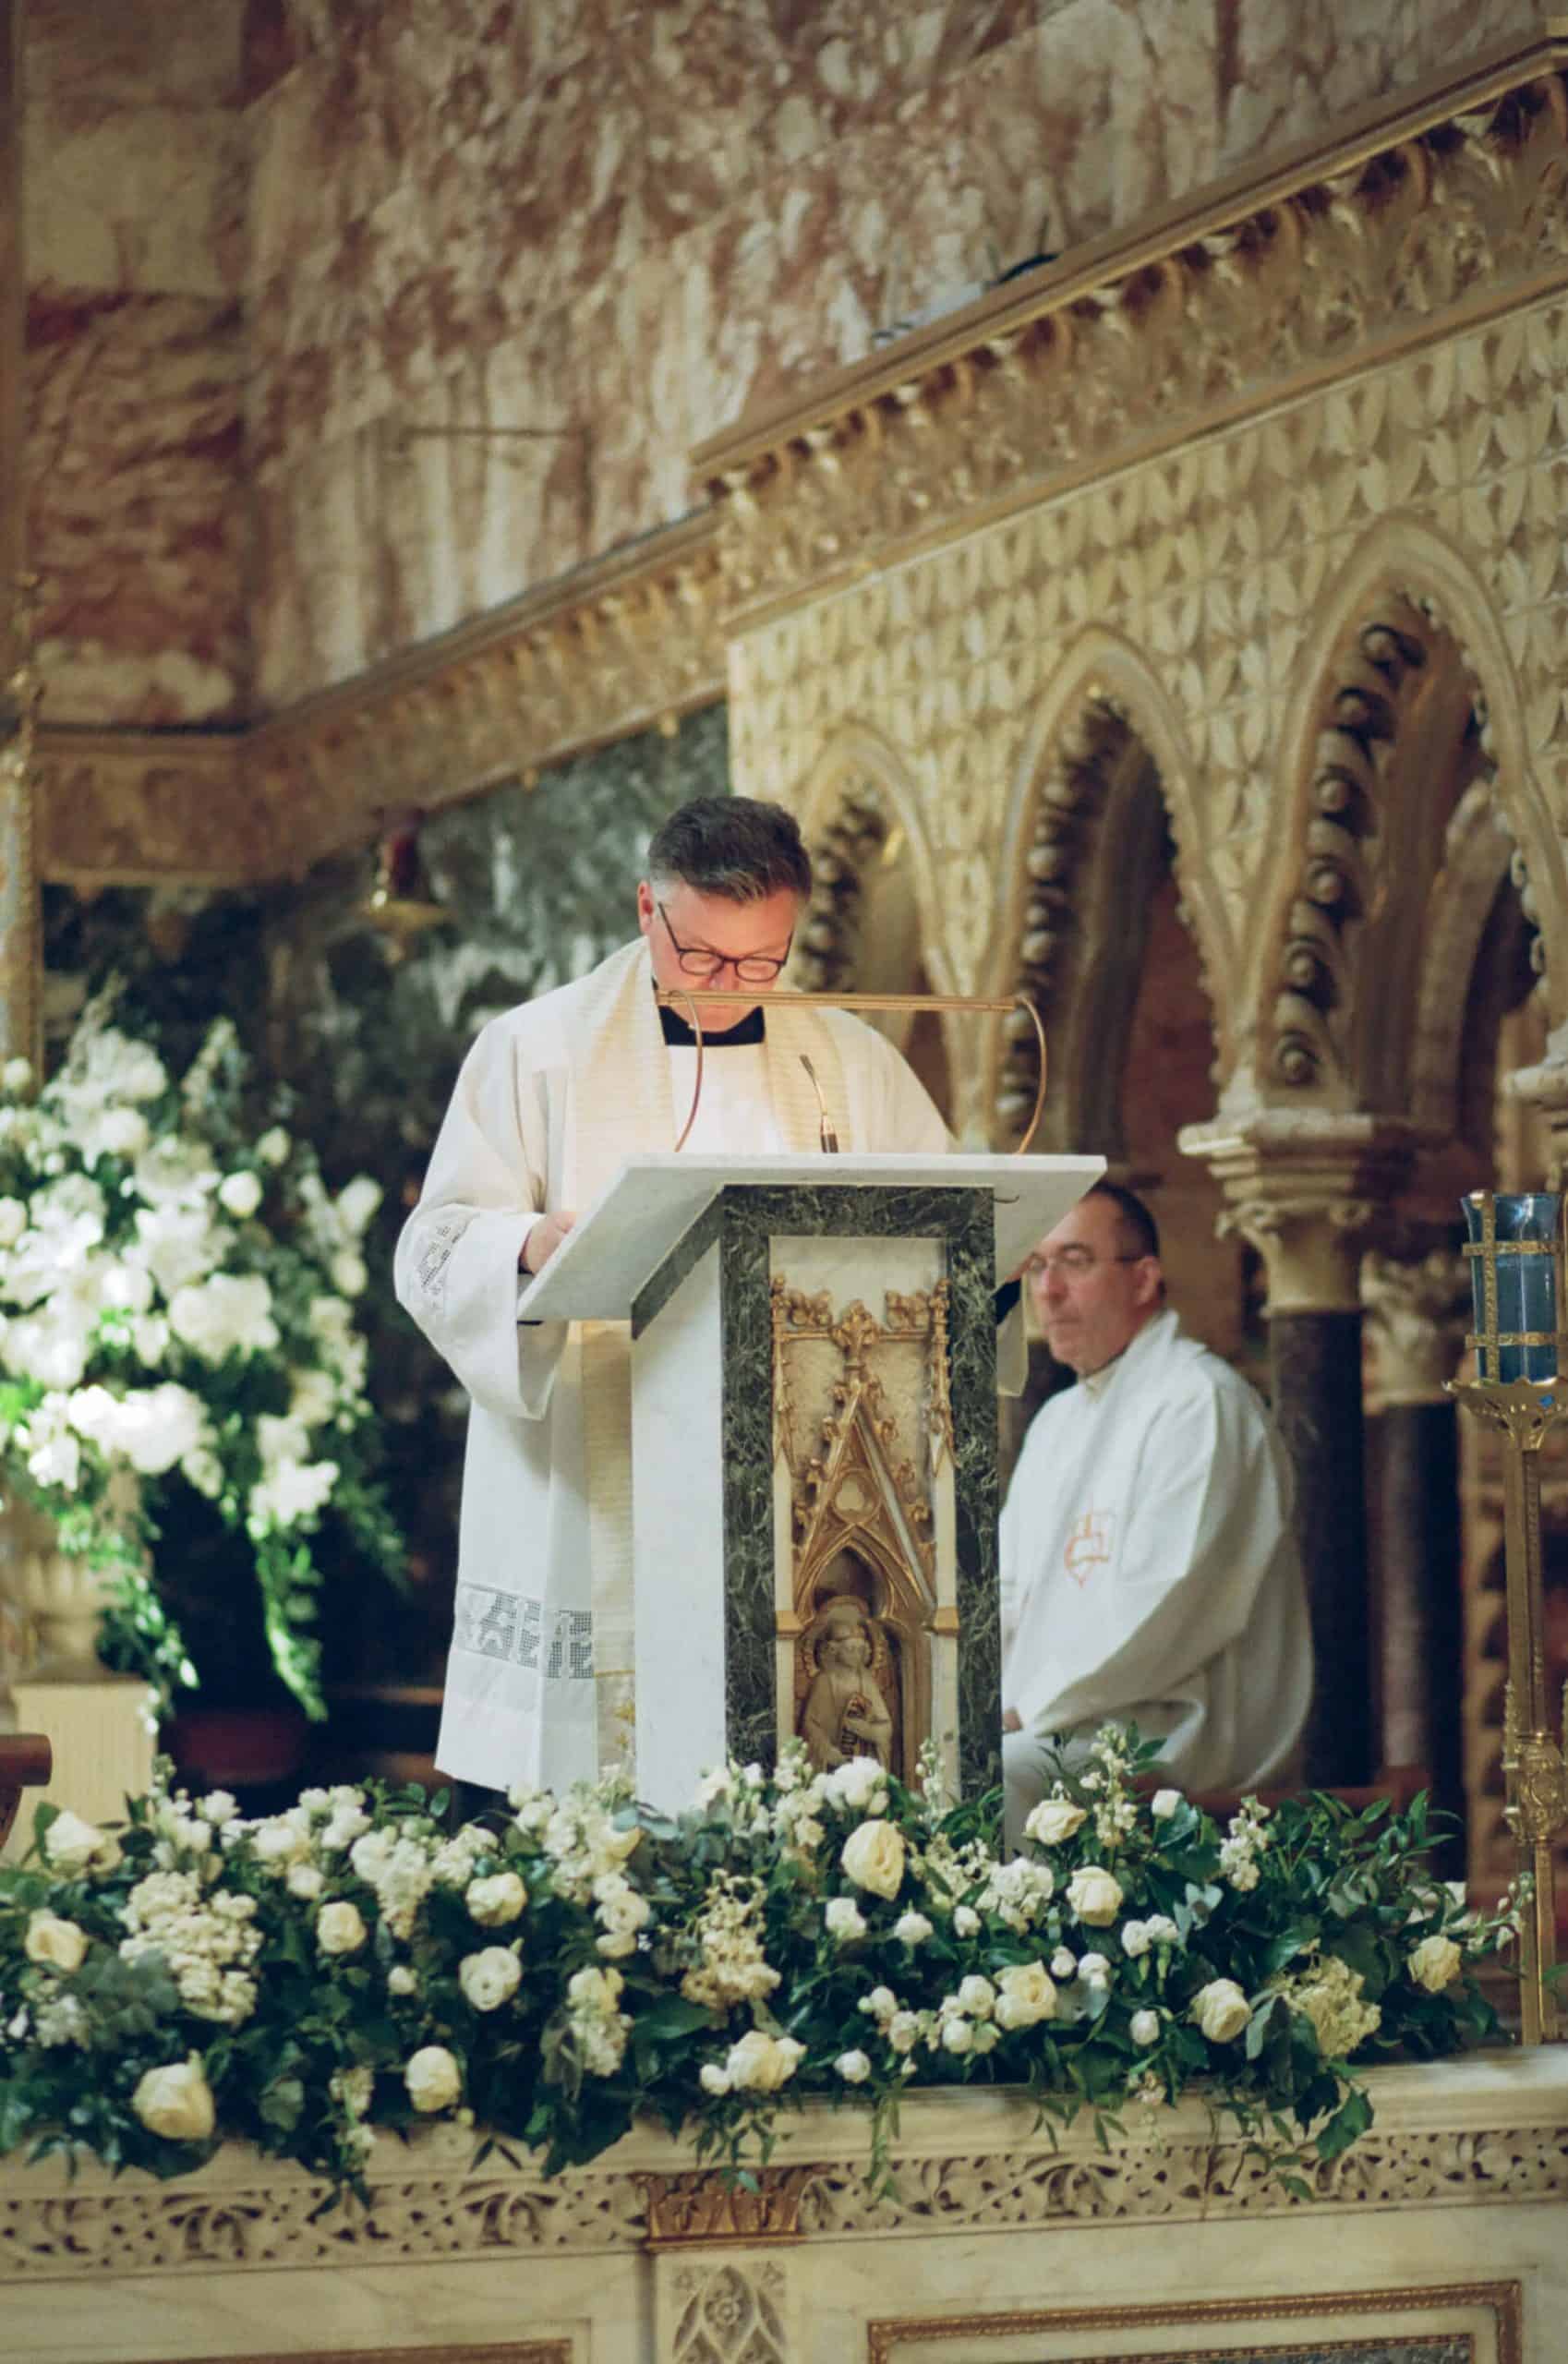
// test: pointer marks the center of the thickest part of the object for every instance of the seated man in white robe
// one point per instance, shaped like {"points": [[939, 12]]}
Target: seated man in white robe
{"points": [[550, 1099], [1148, 1573]]}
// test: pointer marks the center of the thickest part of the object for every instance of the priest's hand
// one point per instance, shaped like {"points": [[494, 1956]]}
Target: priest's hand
{"points": [[543, 1240]]}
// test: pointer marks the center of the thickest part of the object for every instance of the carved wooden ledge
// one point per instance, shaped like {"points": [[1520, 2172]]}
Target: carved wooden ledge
{"points": [[1437, 206], [628, 643]]}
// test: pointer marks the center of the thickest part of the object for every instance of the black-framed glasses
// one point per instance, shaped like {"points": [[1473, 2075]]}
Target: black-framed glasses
{"points": [[697, 960], [1072, 1261]]}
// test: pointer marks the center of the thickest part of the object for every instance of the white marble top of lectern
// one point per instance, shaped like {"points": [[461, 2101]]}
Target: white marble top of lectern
{"points": [[620, 1241]]}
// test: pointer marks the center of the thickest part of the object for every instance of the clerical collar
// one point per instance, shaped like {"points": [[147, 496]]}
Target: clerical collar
{"points": [[680, 1036]]}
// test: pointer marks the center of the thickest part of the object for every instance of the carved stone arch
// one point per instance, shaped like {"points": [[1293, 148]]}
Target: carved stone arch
{"points": [[1405, 699], [1086, 843], [1478, 856], [873, 922]]}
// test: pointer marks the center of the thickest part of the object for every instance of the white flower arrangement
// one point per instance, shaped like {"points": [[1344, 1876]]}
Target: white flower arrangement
{"points": [[350, 1963], [176, 1304]]}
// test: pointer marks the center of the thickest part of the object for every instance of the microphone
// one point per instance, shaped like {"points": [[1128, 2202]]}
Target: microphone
{"points": [[826, 1138]]}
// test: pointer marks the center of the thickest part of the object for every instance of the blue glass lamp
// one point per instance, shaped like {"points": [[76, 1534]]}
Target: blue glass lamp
{"points": [[1516, 1252]]}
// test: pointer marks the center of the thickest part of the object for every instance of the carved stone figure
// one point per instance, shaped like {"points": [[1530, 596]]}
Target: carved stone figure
{"points": [[845, 1713]]}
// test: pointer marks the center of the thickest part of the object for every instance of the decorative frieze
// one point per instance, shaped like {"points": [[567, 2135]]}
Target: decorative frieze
{"points": [[1448, 199]]}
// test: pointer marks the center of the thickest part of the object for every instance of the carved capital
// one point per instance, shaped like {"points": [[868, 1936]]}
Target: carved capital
{"points": [[705, 2205], [1311, 1193], [1418, 1314]]}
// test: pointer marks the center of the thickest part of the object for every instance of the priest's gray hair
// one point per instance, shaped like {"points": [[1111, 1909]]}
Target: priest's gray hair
{"points": [[737, 847]]}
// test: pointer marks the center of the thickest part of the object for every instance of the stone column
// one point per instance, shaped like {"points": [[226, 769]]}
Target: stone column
{"points": [[1418, 1313], [1309, 1189]]}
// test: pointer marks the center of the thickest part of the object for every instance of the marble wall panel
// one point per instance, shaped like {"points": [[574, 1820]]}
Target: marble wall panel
{"points": [[150, 197], [134, 520], [1288, 72], [138, 50]]}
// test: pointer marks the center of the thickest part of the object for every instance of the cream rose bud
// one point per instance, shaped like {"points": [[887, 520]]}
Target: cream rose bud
{"points": [[1093, 1967], [872, 1856], [1144, 2027], [1435, 1963], [1163, 1804], [274, 1146], [903, 2030], [912, 1928], [490, 1978], [881, 2003], [16, 1077], [712, 2078], [853, 2066], [1053, 1821], [13, 1222], [73, 1846], [401, 1980], [761, 2063], [966, 1922], [218, 1807], [176, 2102], [348, 1272], [1026, 1995], [306, 1880], [493, 1903], [1095, 1896], [433, 2078], [240, 1194], [340, 1928], [60, 1944], [977, 1996], [843, 1919], [1220, 2010], [957, 2034], [1064, 1964]]}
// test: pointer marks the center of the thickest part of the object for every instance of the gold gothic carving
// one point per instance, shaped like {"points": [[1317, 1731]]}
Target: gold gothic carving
{"points": [[863, 1427], [707, 2205]]}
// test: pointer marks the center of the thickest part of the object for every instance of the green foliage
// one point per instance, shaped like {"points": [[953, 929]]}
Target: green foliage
{"points": [[553, 1971]]}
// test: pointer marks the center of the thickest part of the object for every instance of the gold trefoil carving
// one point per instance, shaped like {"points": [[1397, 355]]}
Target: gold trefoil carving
{"points": [[864, 1424]]}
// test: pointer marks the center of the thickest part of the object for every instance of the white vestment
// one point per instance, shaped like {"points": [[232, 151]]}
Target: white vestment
{"points": [[1149, 1572], [550, 1099]]}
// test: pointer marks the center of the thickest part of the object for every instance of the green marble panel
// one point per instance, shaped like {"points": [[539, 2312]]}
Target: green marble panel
{"points": [[745, 1222]]}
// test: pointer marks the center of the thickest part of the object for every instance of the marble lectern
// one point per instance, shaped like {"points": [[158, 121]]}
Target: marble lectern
{"points": [[814, 1446]]}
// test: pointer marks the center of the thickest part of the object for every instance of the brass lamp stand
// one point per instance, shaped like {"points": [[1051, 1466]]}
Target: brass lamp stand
{"points": [[1525, 1410]]}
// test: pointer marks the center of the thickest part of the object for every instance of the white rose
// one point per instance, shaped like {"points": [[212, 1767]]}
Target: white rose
{"points": [[1144, 2027], [490, 1978], [1026, 1995], [218, 1807], [1435, 1963], [401, 1980], [1163, 1804], [912, 1928], [844, 1919], [358, 1202], [1052, 1821], [13, 1222], [880, 2004], [121, 1132], [761, 2063], [433, 2078], [176, 2102], [273, 1147], [1063, 1963], [340, 1929], [493, 1903], [17, 1077], [1094, 1896], [977, 1996], [348, 1272], [712, 2079], [62, 1944], [73, 1846], [873, 1855], [1162, 1930], [306, 1880], [853, 2066], [1135, 1938], [957, 2036], [966, 1922], [1095, 1967], [903, 2030], [1220, 2010], [240, 1194]]}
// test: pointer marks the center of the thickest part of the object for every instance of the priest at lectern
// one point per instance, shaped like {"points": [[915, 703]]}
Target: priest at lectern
{"points": [[551, 1099]]}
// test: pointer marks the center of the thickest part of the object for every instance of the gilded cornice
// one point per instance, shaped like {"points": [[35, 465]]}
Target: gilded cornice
{"points": [[1433, 209], [627, 643]]}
